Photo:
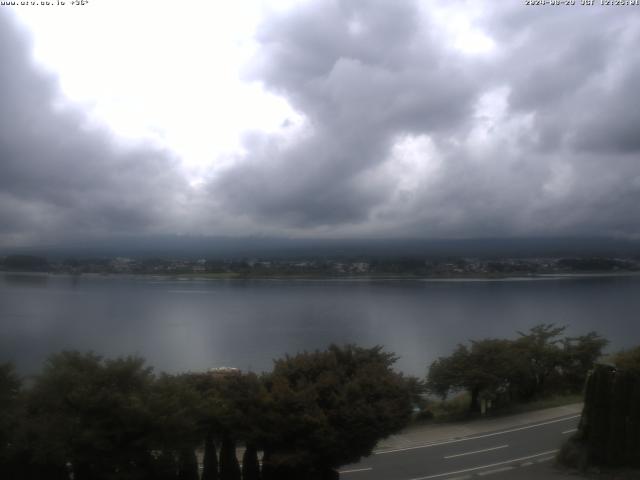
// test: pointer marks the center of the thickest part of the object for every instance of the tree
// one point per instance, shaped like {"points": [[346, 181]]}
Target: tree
{"points": [[540, 356], [28, 263], [536, 363], [329, 408], [10, 385], [94, 414], [176, 408], [164, 466], [231, 411], [210, 460], [493, 366], [250, 465], [485, 370], [628, 360], [580, 354], [229, 466], [448, 373], [187, 464]]}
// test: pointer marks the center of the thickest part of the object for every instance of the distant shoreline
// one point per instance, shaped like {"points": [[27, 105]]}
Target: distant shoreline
{"points": [[324, 277]]}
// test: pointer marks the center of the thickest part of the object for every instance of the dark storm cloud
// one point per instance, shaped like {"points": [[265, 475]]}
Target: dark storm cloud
{"points": [[539, 136], [574, 68], [60, 177], [361, 73], [402, 133]]}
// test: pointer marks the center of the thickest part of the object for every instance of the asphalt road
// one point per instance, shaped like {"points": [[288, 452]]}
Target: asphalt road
{"points": [[478, 456]]}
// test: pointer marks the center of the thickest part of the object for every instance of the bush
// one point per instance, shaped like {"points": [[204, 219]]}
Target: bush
{"points": [[628, 360], [424, 415]]}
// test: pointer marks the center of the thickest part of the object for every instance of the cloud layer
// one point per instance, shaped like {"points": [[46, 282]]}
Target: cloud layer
{"points": [[407, 134], [407, 128], [61, 176]]}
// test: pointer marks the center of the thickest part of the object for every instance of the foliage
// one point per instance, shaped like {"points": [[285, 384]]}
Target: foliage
{"points": [[250, 464], [177, 411], [628, 360], [580, 354], [28, 263], [538, 355], [98, 419], [330, 408], [485, 370], [229, 466], [210, 460], [93, 414], [10, 385], [187, 464], [538, 362]]}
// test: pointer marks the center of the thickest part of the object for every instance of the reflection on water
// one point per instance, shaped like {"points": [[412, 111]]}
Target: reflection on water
{"points": [[191, 325]]}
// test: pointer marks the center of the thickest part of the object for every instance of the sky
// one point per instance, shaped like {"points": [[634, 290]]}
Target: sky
{"points": [[318, 119]]}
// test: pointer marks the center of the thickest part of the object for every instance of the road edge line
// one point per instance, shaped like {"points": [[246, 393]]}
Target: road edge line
{"points": [[466, 439]]}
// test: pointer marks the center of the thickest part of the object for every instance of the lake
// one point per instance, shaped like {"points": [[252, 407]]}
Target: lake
{"points": [[181, 324]]}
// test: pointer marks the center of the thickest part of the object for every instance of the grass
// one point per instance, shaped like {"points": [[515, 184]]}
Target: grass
{"points": [[451, 410], [542, 403]]}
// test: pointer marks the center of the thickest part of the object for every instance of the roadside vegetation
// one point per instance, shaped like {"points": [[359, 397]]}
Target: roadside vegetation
{"points": [[456, 408], [539, 367], [85, 417], [628, 360]]}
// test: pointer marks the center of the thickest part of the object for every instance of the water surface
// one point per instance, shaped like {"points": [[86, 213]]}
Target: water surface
{"points": [[180, 325]]}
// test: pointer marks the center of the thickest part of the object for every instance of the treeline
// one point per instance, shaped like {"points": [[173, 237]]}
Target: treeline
{"points": [[85, 417], [321, 266], [24, 263], [498, 372]]}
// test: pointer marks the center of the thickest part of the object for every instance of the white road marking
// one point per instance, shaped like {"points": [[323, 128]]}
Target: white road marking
{"points": [[495, 470], [477, 451], [570, 431], [355, 470], [466, 439], [485, 466]]}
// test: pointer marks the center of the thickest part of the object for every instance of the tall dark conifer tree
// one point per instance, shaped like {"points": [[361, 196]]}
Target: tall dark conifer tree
{"points": [[165, 466], [229, 466], [250, 465], [210, 461], [188, 465]]}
